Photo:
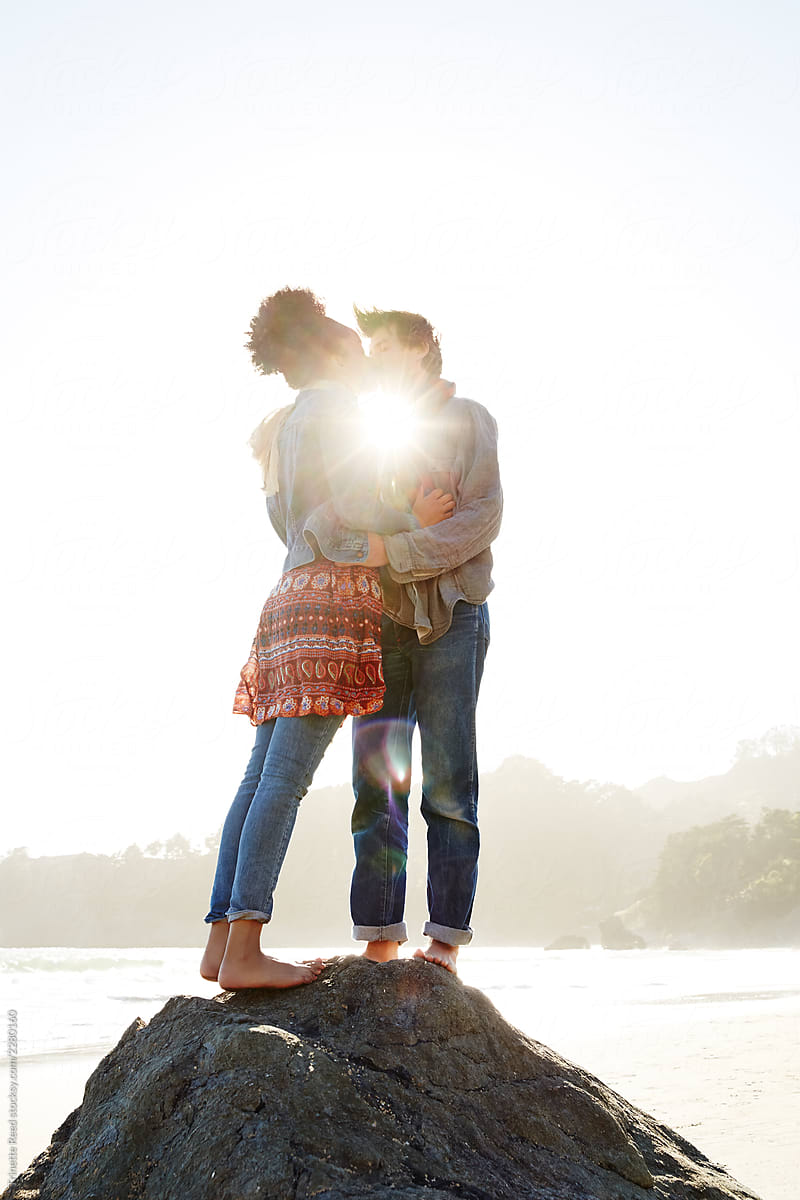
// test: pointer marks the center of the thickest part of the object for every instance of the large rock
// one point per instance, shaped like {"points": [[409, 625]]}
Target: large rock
{"points": [[390, 1081]]}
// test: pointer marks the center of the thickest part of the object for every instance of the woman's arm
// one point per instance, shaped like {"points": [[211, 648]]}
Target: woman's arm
{"points": [[351, 473], [338, 527], [277, 516], [429, 510]]}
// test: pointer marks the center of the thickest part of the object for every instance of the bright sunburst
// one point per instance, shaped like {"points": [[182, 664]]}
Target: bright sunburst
{"points": [[387, 420]]}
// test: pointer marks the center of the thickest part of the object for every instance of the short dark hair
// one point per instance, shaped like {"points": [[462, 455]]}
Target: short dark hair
{"points": [[411, 328], [293, 320]]}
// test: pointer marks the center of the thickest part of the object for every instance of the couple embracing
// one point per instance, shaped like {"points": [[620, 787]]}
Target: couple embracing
{"points": [[380, 614]]}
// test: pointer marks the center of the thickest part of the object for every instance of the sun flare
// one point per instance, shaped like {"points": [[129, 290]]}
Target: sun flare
{"points": [[388, 420]]}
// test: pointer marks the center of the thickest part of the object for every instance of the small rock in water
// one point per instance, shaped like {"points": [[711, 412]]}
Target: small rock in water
{"points": [[569, 941], [614, 936]]}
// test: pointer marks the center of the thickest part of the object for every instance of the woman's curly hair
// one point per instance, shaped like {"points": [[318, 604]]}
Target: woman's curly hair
{"points": [[291, 325]]}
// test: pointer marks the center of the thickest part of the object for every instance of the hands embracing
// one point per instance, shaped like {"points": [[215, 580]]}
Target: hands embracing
{"points": [[435, 507]]}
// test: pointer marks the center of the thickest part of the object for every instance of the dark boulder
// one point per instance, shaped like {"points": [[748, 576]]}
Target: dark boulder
{"points": [[614, 936], [569, 941], [392, 1081]]}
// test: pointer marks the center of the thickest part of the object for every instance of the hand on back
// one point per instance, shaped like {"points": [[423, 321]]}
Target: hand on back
{"points": [[429, 510], [435, 507]]}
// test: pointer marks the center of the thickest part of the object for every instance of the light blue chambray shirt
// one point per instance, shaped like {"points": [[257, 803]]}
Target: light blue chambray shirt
{"points": [[328, 494], [431, 569]]}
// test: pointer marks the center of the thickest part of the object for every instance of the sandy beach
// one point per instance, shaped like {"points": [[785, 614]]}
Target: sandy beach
{"points": [[50, 1086]]}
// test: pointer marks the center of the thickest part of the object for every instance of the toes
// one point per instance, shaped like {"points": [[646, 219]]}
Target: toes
{"points": [[427, 956]]}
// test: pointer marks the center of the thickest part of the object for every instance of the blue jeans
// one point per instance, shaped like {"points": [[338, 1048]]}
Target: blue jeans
{"points": [[434, 686], [260, 821]]}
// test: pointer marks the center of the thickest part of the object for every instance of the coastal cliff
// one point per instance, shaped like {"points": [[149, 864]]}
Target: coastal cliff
{"points": [[392, 1081]]}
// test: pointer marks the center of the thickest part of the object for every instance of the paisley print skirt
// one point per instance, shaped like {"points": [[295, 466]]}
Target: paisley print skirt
{"points": [[317, 648]]}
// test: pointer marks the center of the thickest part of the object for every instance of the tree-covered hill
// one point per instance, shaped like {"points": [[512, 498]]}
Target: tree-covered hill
{"points": [[727, 881]]}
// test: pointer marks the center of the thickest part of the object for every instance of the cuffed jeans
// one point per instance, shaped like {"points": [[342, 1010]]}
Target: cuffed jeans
{"points": [[260, 821], [435, 686]]}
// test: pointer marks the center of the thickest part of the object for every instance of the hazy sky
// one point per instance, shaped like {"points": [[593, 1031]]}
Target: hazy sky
{"points": [[599, 208]]}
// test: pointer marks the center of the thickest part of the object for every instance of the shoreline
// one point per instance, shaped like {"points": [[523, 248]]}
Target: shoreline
{"points": [[55, 1055], [49, 1087]]}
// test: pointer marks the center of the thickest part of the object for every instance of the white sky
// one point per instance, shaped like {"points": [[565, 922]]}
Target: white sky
{"points": [[597, 205]]}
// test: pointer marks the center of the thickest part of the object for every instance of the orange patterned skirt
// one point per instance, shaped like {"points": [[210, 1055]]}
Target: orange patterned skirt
{"points": [[317, 648]]}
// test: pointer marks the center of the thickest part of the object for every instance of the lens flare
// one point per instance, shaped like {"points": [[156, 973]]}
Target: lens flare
{"points": [[383, 752], [388, 419]]}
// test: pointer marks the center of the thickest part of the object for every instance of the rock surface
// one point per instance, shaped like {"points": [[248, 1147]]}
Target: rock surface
{"points": [[392, 1081]]}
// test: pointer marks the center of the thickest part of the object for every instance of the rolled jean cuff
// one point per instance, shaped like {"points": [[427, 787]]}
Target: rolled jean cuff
{"points": [[381, 933], [249, 914], [212, 918], [443, 933]]}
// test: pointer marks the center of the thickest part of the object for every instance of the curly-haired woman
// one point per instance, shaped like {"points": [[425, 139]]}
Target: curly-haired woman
{"points": [[315, 658]]}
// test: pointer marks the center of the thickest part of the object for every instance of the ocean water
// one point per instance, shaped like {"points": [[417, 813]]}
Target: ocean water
{"points": [[706, 1041]]}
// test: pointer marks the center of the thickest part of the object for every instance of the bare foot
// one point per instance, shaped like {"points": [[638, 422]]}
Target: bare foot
{"points": [[440, 952], [260, 970], [381, 951], [246, 966], [215, 950]]}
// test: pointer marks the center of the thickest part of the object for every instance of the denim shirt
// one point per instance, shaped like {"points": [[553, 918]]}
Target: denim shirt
{"points": [[324, 471], [431, 569]]}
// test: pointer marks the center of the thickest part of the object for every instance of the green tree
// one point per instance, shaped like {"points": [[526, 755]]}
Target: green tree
{"points": [[781, 739], [700, 871], [178, 847], [774, 885]]}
